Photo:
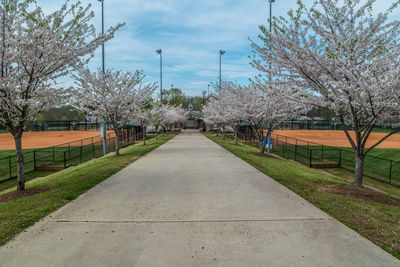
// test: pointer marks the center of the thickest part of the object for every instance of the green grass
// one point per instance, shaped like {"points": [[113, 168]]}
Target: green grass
{"points": [[65, 186], [376, 164], [69, 155], [376, 222]]}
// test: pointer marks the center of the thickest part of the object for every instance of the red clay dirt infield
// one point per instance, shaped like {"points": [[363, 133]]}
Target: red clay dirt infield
{"points": [[338, 138], [46, 139]]}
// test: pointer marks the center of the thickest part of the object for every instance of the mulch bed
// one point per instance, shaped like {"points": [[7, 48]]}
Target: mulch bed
{"points": [[350, 190], [21, 194]]}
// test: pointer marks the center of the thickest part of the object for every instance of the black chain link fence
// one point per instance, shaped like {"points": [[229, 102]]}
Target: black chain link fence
{"points": [[323, 125], [65, 155], [322, 156]]}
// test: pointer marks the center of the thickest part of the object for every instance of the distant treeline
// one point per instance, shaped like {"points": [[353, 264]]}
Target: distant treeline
{"points": [[65, 113], [173, 96]]}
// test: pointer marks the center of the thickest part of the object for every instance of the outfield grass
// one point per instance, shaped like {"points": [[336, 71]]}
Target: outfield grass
{"points": [[57, 156], [65, 186], [380, 163], [375, 221], [48, 157]]}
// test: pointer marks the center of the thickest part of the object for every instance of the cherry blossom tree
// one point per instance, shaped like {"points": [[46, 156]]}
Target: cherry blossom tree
{"points": [[263, 106], [35, 50], [174, 114], [111, 97], [157, 115], [215, 112], [165, 115], [177, 114], [143, 116], [345, 58], [225, 109]]}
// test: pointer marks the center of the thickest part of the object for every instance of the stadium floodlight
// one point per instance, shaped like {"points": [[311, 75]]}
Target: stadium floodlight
{"points": [[104, 124], [270, 31], [221, 52], [159, 51]]}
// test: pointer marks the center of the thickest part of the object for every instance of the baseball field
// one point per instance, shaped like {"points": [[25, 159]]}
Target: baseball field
{"points": [[32, 140], [55, 148], [338, 138]]}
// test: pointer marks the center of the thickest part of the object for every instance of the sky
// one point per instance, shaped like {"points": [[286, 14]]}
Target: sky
{"points": [[189, 32]]}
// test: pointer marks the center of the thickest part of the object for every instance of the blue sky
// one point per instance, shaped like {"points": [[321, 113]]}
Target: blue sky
{"points": [[190, 34]]}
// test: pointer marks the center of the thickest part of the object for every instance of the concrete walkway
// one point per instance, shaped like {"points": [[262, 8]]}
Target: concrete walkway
{"points": [[191, 203]]}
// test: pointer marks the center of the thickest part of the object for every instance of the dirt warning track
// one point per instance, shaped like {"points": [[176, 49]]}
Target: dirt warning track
{"points": [[338, 138], [46, 139]]}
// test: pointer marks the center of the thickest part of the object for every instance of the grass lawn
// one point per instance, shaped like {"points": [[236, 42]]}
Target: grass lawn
{"points": [[375, 221], [52, 156], [376, 164], [66, 185]]}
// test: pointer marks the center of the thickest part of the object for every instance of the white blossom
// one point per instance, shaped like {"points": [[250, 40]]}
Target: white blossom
{"points": [[111, 97], [35, 50], [345, 59]]}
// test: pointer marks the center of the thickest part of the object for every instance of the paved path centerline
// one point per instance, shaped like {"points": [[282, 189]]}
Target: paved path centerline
{"points": [[190, 202]]}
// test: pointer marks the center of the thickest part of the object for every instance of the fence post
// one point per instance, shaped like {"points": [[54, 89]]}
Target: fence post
{"points": [[9, 166], [340, 157], [390, 172], [34, 160], [272, 144], [295, 149], [54, 159], [310, 151], [65, 160], [69, 149], [283, 151]]}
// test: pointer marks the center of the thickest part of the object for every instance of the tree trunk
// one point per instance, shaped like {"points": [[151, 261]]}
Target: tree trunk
{"points": [[144, 135], [358, 148], [262, 147], [359, 170], [268, 140], [262, 144], [116, 143], [20, 162], [223, 132], [156, 132]]}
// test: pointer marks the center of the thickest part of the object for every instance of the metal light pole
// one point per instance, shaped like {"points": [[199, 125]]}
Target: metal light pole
{"points": [[159, 51], [208, 91], [103, 124], [270, 32], [102, 32], [270, 66], [221, 52]]}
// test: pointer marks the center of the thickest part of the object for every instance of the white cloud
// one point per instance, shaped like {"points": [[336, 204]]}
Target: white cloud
{"points": [[190, 34]]}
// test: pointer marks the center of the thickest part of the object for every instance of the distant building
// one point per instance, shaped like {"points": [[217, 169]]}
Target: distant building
{"points": [[195, 119]]}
